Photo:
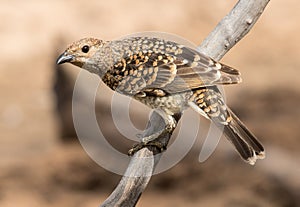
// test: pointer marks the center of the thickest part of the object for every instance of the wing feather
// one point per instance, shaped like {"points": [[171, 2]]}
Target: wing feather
{"points": [[193, 70], [175, 70]]}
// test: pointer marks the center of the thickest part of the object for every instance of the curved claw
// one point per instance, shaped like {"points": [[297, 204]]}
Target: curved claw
{"points": [[159, 145]]}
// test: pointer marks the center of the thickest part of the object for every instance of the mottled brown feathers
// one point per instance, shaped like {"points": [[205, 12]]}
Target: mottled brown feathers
{"points": [[167, 65]]}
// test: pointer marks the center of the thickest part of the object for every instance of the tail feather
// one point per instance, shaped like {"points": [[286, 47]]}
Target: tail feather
{"points": [[209, 103], [244, 141], [240, 144]]}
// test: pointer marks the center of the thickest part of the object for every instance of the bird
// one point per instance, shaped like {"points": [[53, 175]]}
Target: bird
{"points": [[169, 77]]}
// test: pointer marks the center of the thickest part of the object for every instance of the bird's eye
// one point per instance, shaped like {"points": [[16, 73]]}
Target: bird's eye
{"points": [[85, 49]]}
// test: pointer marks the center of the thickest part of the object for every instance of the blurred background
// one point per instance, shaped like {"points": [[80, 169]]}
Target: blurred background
{"points": [[42, 163]]}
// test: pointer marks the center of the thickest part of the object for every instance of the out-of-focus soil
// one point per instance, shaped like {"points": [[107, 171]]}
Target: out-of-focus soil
{"points": [[40, 168]]}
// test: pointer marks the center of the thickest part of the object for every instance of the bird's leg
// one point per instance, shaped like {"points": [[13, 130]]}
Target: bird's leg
{"points": [[151, 140], [170, 124]]}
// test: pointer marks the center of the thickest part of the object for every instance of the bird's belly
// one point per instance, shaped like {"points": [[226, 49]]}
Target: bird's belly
{"points": [[171, 104]]}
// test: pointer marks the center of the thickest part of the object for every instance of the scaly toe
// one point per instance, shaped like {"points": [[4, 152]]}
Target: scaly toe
{"points": [[160, 146]]}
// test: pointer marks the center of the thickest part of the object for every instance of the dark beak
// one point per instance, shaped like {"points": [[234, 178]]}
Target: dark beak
{"points": [[64, 58]]}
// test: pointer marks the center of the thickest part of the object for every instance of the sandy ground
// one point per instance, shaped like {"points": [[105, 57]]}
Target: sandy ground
{"points": [[38, 169]]}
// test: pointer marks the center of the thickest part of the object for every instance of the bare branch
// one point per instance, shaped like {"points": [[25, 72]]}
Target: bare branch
{"points": [[227, 33], [140, 168], [232, 28]]}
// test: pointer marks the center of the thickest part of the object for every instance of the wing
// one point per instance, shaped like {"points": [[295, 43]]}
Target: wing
{"points": [[189, 70], [170, 67]]}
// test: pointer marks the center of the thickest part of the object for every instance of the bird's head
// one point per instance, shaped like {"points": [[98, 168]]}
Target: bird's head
{"points": [[83, 54]]}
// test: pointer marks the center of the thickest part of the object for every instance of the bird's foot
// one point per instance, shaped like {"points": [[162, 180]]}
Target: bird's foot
{"points": [[152, 139], [159, 145], [169, 128]]}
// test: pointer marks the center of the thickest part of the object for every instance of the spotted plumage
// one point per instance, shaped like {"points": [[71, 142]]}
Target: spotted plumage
{"points": [[169, 77], [143, 63]]}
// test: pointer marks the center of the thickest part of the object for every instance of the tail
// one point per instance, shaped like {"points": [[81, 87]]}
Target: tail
{"points": [[246, 144], [209, 103]]}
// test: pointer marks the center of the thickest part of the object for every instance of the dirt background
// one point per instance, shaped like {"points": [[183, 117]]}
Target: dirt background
{"points": [[40, 165]]}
